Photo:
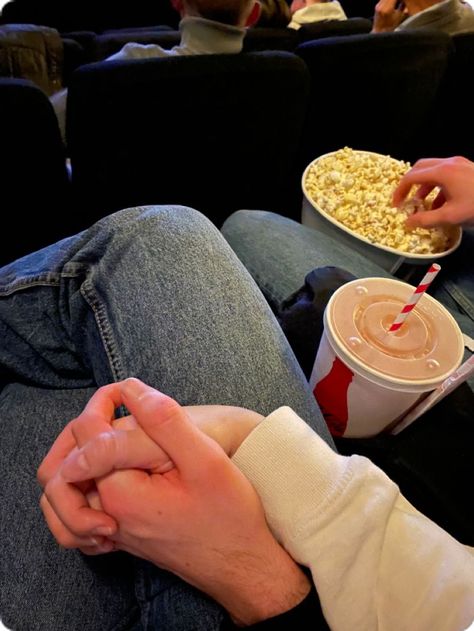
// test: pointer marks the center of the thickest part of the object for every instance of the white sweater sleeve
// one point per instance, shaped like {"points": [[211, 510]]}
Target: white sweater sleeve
{"points": [[378, 564]]}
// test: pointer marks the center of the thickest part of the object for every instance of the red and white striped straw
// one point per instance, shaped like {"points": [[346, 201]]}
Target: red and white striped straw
{"points": [[417, 294]]}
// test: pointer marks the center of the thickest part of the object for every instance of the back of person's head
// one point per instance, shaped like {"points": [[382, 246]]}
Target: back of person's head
{"points": [[274, 13], [233, 12]]}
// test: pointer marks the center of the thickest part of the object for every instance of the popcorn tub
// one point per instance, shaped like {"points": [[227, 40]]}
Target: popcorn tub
{"points": [[347, 196]]}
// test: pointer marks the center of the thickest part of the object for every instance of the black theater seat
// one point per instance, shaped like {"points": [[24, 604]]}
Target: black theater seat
{"points": [[35, 201], [371, 91], [216, 132]]}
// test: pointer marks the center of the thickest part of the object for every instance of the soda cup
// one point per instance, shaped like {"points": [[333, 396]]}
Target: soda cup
{"points": [[364, 378]]}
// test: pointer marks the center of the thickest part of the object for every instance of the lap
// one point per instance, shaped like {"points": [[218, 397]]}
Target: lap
{"points": [[44, 587]]}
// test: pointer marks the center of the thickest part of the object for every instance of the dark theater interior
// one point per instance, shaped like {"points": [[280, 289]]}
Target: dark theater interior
{"points": [[237, 315]]}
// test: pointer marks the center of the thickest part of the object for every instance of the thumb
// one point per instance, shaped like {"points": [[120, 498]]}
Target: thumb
{"points": [[167, 424], [112, 451]]}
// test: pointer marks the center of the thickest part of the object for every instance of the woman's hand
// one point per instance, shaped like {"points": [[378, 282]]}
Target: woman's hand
{"points": [[454, 203], [200, 519]]}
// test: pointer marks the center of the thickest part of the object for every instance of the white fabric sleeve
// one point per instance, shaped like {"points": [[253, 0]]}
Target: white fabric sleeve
{"points": [[378, 564], [131, 50]]}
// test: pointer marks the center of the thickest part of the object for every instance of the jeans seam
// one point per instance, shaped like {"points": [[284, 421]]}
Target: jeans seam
{"points": [[21, 286], [264, 287], [100, 317]]}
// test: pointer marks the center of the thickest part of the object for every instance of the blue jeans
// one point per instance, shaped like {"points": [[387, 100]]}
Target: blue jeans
{"points": [[279, 252], [154, 293]]}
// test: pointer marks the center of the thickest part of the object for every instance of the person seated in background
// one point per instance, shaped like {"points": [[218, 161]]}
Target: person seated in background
{"points": [[448, 16], [274, 13], [157, 293], [308, 11], [207, 27]]}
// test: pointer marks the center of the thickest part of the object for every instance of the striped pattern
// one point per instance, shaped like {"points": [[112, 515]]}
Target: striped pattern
{"points": [[417, 294]]}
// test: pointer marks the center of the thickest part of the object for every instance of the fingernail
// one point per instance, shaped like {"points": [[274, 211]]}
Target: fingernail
{"points": [[134, 388], [105, 531]]}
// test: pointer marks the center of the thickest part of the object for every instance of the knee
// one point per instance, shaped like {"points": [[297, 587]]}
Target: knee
{"points": [[248, 224], [143, 223]]}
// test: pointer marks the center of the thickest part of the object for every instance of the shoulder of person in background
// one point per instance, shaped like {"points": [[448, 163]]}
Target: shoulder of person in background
{"points": [[315, 11]]}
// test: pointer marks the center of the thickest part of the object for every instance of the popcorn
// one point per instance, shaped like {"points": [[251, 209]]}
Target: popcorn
{"points": [[356, 188]]}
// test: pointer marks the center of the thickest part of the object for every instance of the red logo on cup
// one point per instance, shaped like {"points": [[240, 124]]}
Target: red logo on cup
{"points": [[331, 394]]}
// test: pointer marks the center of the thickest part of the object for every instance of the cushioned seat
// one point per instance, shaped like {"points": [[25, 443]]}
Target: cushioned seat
{"points": [[449, 130], [34, 183], [372, 91], [216, 132], [268, 38], [333, 28]]}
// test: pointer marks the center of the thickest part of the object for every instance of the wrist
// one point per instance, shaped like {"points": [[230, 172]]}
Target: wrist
{"points": [[243, 425], [258, 591]]}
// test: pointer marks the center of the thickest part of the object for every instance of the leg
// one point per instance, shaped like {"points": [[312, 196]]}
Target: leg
{"points": [[158, 294], [154, 293], [44, 587], [279, 252]]}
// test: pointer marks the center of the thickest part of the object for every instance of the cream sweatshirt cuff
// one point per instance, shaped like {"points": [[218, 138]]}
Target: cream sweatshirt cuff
{"points": [[265, 458]]}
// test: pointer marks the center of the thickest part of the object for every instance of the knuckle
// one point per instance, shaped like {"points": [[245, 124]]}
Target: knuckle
{"points": [[104, 447], [42, 475]]}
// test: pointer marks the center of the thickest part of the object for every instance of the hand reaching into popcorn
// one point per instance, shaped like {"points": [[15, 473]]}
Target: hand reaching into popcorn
{"points": [[454, 203]]}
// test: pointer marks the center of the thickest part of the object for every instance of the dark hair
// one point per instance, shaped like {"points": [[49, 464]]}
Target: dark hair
{"points": [[225, 11]]}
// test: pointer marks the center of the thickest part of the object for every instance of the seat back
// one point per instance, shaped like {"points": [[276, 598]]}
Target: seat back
{"points": [[216, 132], [269, 38], [450, 130], [33, 179], [372, 92], [333, 28]]}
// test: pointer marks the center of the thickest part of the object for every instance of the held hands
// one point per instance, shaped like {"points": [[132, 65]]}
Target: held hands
{"points": [[190, 511], [454, 203], [115, 444]]}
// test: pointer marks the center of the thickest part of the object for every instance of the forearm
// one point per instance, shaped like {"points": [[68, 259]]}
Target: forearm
{"points": [[256, 589], [376, 561], [306, 615]]}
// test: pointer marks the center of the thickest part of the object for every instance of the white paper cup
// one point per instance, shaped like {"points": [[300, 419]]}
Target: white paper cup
{"points": [[364, 391]]}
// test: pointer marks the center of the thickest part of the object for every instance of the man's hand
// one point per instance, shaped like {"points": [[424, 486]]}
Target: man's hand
{"points": [[128, 447], [200, 519], [387, 17], [454, 203], [66, 507], [114, 444]]}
